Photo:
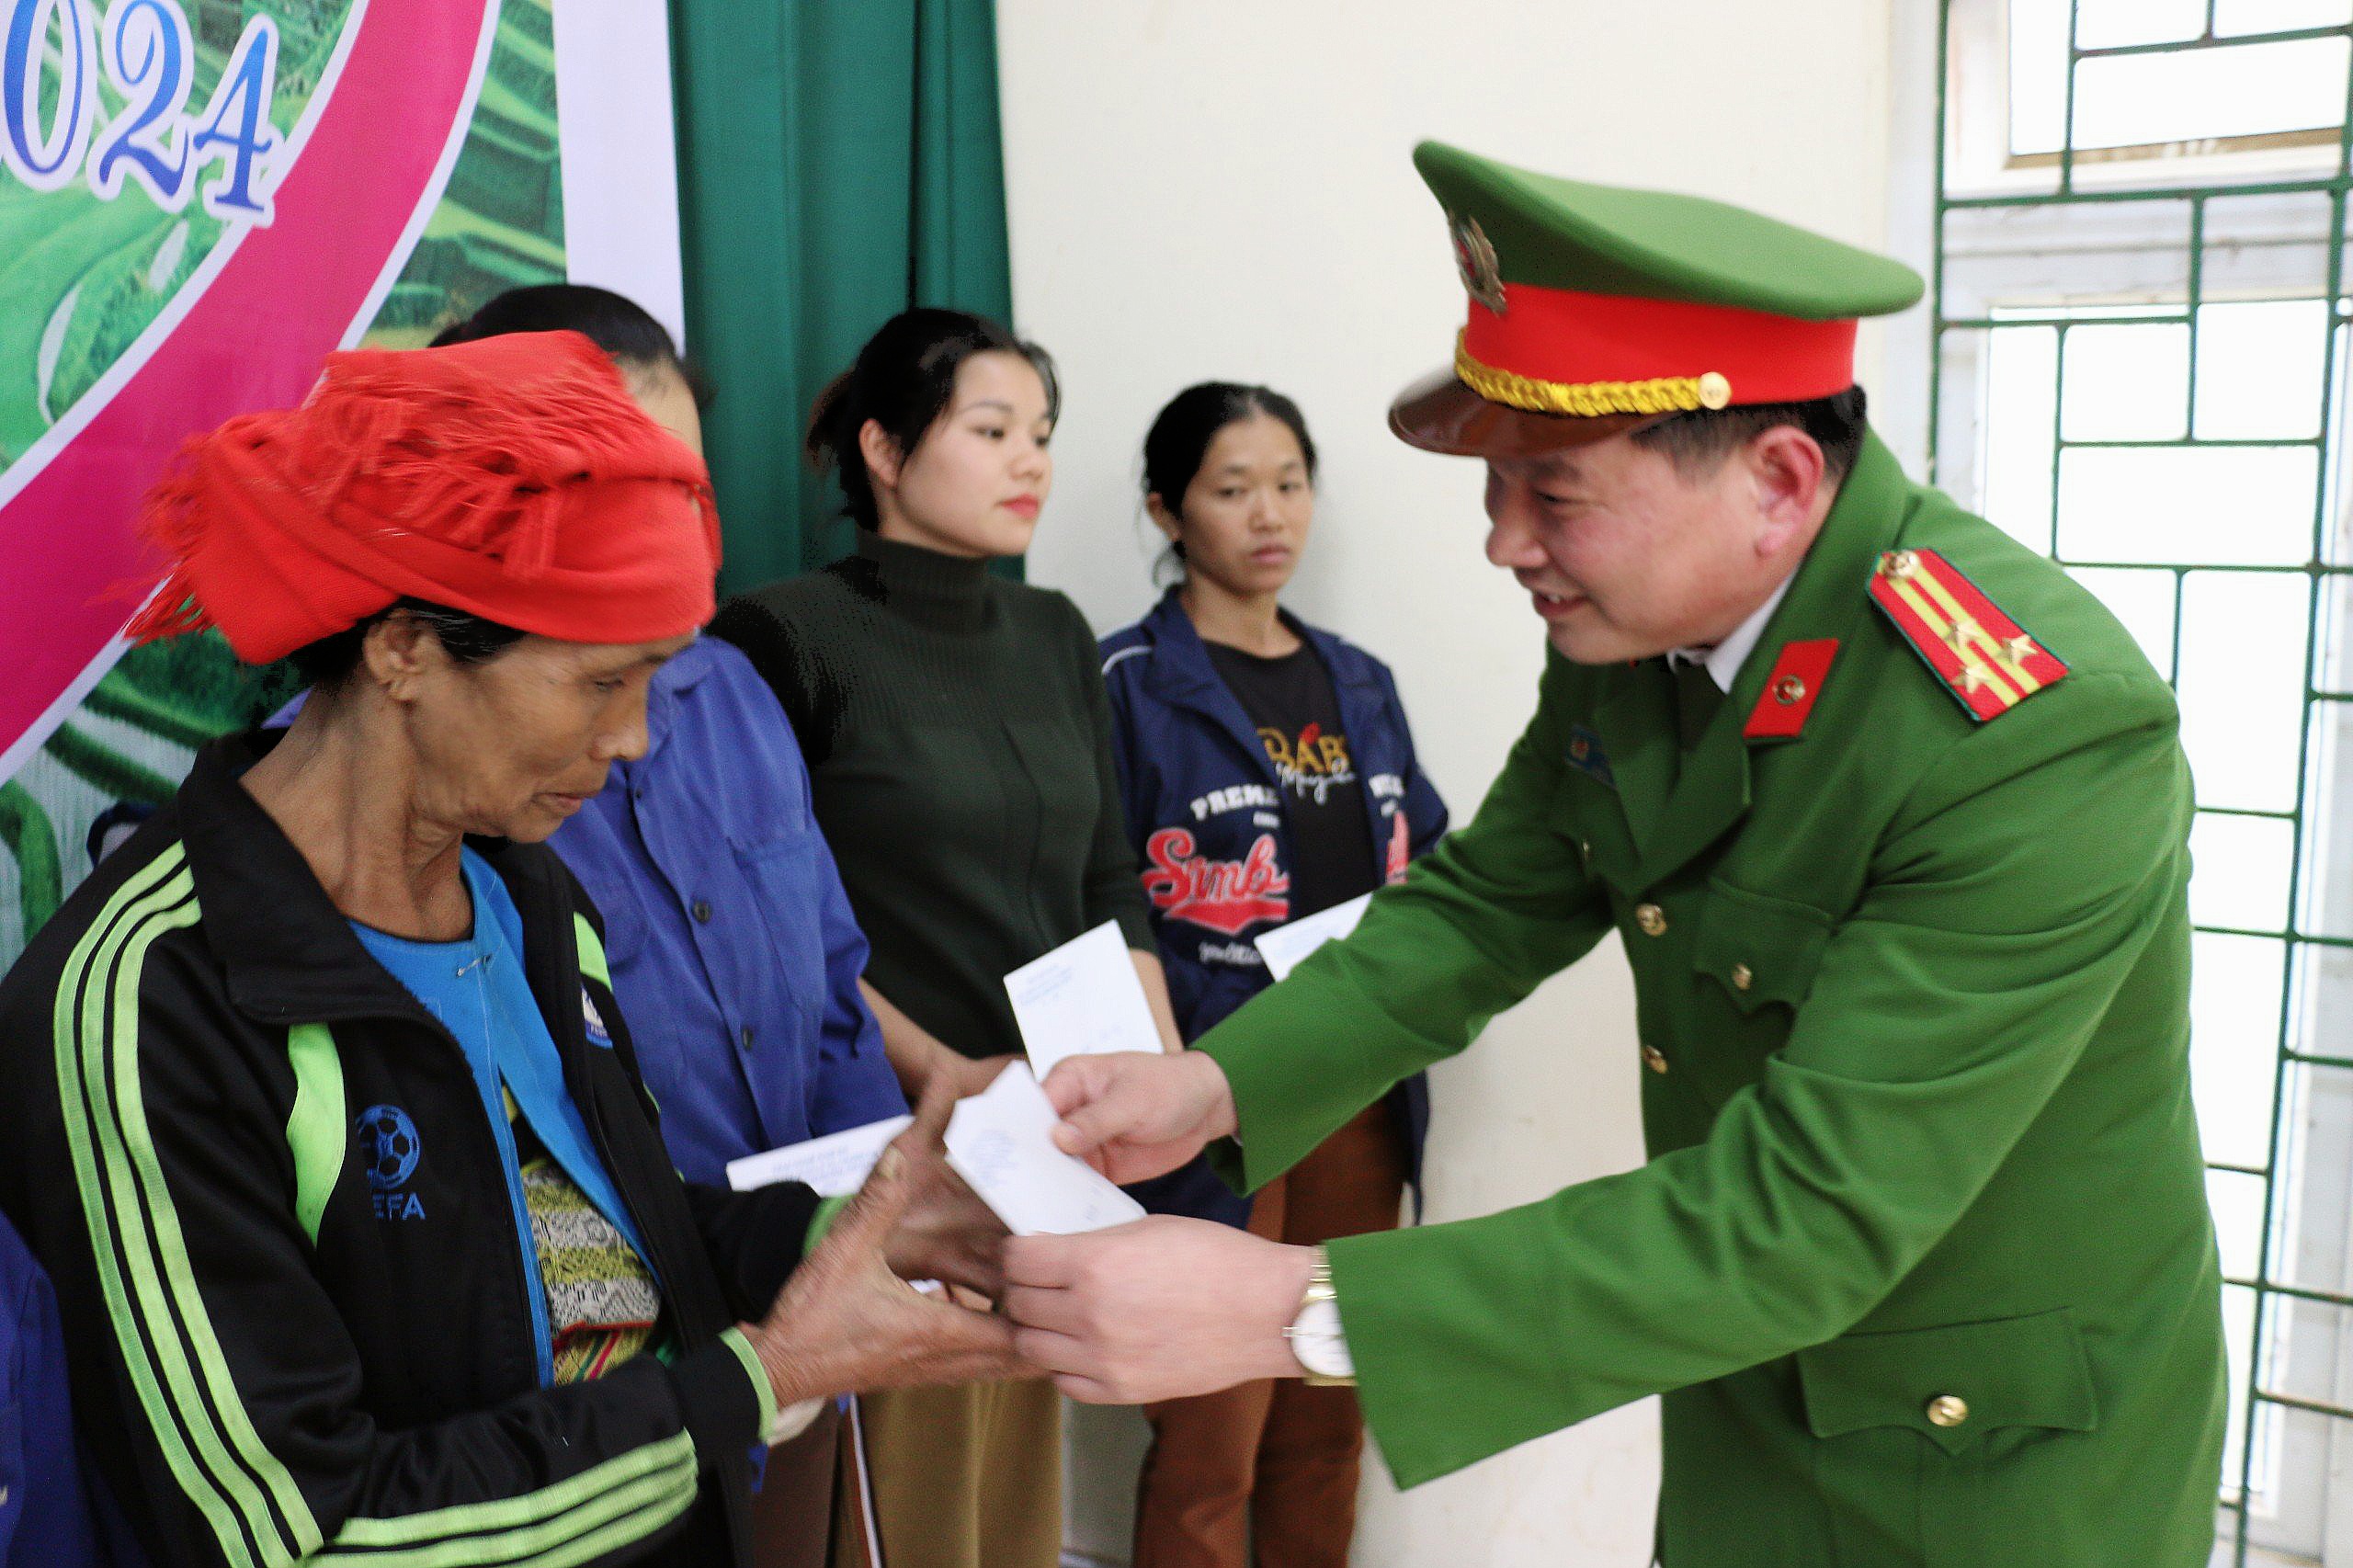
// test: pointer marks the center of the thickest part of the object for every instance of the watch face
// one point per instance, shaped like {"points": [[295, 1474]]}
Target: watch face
{"points": [[1316, 1339]]}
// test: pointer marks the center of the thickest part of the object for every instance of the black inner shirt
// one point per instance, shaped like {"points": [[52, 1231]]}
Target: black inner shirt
{"points": [[1290, 701]]}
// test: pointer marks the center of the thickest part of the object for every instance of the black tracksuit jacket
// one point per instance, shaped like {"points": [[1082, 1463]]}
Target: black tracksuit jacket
{"points": [[297, 1319]]}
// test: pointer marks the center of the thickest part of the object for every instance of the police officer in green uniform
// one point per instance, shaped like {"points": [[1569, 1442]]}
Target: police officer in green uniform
{"points": [[1891, 817]]}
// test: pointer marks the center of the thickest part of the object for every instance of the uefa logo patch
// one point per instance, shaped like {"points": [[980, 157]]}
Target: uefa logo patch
{"points": [[389, 1144]]}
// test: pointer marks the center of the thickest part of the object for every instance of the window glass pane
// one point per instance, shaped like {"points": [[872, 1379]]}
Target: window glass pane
{"points": [[2259, 369], [2037, 75], [2328, 898], [2126, 383], [2299, 1360], [2242, 686], [2252, 90], [2234, 1042], [2142, 600], [2229, 505], [2021, 400], [2105, 24], [2315, 1221], [2238, 1203], [2241, 876], [2238, 1337], [2233, 18]]}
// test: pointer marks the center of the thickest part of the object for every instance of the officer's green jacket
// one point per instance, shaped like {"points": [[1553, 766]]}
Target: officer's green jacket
{"points": [[1921, 1259]]}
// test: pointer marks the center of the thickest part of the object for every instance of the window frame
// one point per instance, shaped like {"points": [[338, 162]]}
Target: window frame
{"points": [[2122, 245]]}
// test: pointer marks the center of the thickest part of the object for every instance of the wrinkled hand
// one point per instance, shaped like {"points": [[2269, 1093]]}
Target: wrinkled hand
{"points": [[844, 1322], [1133, 1115], [1160, 1308], [946, 1233]]}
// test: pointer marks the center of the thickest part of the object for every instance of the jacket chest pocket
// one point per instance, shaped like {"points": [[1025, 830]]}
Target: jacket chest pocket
{"points": [[782, 878], [1757, 948], [1948, 1446]]}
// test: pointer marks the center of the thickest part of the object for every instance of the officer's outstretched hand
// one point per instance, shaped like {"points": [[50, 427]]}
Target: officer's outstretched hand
{"points": [[844, 1322], [1160, 1308], [1133, 1115]]}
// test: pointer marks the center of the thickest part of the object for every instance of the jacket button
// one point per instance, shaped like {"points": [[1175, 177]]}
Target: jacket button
{"points": [[1651, 918], [702, 912], [1742, 977], [1947, 1410], [1655, 1059], [745, 1036]]}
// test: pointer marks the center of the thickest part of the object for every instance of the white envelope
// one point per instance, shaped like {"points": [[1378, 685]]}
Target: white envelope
{"points": [[1286, 946], [833, 1164], [1001, 1141], [1083, 999]]}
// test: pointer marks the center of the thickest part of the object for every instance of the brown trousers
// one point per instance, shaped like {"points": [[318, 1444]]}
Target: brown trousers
{"points": [[1266, 1472], [792, 1513], [966, 1477]]}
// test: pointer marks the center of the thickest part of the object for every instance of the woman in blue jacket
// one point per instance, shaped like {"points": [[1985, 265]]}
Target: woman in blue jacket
{"points": [[1267, 774]]}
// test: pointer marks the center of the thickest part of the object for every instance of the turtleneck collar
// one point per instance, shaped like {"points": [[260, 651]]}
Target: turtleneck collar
{"points": [[949, 592]]}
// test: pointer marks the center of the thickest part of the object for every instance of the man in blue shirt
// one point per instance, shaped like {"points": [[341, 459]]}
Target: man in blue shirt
{"points": [[734, 950], [735, 959]]}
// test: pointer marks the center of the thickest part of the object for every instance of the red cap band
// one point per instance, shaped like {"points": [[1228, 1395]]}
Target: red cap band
{"points": [[1564, 351]]}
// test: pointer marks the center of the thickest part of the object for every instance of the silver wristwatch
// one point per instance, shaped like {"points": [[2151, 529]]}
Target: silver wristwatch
{"points": [[1314, 1333]]}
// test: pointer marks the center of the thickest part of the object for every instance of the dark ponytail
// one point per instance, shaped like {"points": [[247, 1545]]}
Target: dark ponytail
{"points": [[902, 379]]}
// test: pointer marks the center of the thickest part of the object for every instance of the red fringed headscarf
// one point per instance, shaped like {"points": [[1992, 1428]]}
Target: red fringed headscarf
{"points": [[513, 477]]}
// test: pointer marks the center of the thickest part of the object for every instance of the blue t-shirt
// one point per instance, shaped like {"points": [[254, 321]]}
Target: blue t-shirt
{"points": [[476, 988], [734, 955]]}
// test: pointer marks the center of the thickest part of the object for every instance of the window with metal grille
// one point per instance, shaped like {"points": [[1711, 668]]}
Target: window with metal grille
{"points": [[2141, 339]]}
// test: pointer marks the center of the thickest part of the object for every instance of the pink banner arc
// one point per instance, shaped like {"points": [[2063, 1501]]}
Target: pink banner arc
{"points": [[349, 212]]}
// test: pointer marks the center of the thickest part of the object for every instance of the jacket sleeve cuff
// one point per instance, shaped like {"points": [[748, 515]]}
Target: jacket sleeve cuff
{"points": [[726, 1393], [828, 1210]]}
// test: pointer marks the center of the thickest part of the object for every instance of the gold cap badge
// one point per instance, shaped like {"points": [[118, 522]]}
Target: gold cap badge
{"points": [[1474, 258]]}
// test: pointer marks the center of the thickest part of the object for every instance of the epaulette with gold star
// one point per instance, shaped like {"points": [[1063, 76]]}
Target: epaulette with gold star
{"points": [[1985, 661]]}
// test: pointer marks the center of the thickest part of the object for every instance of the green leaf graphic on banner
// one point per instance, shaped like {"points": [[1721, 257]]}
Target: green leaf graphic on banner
{"points": [[85, 275]]}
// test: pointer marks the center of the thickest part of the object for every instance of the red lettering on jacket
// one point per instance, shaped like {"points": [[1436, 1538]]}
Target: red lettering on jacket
{"points": [[1225, 896], [1401, 848]]}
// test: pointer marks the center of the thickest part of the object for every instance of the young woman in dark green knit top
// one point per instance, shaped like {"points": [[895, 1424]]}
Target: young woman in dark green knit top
{"points": [[959, 748]]}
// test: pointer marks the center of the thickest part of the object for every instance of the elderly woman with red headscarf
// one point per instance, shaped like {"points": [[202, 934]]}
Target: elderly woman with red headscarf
{"points": [[320, 1113]]}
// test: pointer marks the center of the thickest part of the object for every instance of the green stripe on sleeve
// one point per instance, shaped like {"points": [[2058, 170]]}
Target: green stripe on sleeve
{"points": [[510, 1530], [734, 1339], [80, 1078], [167, 1281], [315, 1133], [828, 1210], [592, 952]]}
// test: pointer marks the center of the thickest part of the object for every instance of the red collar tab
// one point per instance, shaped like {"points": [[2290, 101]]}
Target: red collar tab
{"points": [[1791, 690], [1565, 351]]}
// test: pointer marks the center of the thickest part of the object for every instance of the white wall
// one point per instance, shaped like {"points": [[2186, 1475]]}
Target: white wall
{"points": [[1220, 188]]}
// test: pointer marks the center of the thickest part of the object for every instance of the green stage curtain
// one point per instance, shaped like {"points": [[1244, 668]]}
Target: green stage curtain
{"points": [[839, 161]]}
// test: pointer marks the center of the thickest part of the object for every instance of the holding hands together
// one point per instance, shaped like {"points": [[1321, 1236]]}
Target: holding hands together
{"points": [[846, 1320], [1163, 1307]]}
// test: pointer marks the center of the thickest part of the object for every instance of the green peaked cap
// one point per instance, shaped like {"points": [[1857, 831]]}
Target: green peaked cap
{"points": [[1607, 239]]}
